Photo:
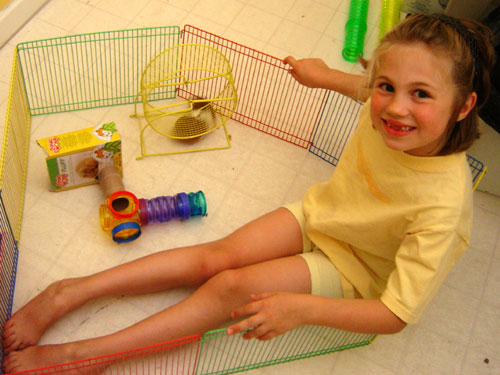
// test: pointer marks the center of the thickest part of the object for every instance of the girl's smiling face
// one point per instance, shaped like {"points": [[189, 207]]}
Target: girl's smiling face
{"points": [[413, 99]]}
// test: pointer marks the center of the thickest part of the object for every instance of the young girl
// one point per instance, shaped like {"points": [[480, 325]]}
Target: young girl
{"points": [[365, 251]]}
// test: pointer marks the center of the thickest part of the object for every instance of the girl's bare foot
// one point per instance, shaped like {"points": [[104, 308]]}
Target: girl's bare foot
{"points": [[27, 325], [35, 357]]}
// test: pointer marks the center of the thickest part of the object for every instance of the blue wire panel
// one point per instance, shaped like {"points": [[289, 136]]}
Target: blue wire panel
{"points": [[9, 254], [477, 169], [337, 121]]}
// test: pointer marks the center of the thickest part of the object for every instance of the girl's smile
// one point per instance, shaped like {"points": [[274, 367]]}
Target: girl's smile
{"points": [[413, 99], [396, 128]]}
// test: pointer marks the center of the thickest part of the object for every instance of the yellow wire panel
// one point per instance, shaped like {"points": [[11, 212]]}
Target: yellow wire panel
{"points": [[14, 158], [205, 98], [480, 177]]}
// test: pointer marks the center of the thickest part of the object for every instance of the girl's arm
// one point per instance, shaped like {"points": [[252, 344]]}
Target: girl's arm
{"points": [[355, 315], [315, 73], [272, 314]]}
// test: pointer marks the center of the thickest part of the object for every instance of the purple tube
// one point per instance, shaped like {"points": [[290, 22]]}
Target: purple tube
{"points": [[165, 208]]}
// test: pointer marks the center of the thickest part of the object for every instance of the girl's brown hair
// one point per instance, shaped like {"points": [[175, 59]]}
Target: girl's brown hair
{"points": [[471, 66]]}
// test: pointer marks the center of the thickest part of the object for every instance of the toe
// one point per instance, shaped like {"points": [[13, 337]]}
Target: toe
{"points": [[11, 344], [9, 363]]}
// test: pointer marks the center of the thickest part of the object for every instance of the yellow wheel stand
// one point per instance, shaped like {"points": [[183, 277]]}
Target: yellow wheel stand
{"points": [[203, 96]]}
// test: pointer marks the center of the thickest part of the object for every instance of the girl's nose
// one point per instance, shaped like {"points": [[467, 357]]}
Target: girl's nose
{"points": [[397, 106]]}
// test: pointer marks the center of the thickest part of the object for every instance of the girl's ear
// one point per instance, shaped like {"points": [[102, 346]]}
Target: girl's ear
{"points": [[470, 102]]}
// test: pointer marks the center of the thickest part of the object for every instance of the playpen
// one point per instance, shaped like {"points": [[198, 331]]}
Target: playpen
{"points": [[103, 69]]}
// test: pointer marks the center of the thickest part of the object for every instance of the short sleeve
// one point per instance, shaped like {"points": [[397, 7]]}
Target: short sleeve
{"points": [[423, 261]]}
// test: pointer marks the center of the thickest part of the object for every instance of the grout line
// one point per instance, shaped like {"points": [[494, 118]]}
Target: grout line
{"points": [[478, 310]]}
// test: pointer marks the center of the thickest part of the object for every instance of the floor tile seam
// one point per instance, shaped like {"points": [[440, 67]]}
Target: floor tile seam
{"points": [[321, 35], [283, 163], [283, 17], [381, 362], [146, 3], [497, 246], [229, 182], [400, 368], [334, 12], [266, 200], [469, 347], [139, 12], [471, 329], [228, 26], [490, 211], [271, 13], [45, 22], [128, 22], [470, 294], [7, 83], [493, 256], [69, 31]]}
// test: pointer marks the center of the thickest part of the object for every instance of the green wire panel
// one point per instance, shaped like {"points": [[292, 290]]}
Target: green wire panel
{"points": [[92, 70], [223, 354]]}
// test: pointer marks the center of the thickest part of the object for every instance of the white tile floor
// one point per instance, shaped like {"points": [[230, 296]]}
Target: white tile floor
{"points": [[460, 331]]}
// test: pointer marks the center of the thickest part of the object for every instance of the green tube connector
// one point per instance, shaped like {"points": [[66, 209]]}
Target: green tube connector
{"points": [[355, 30]]}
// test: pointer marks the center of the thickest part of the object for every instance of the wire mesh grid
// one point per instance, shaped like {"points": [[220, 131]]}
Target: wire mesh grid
{"points": [[13, 166], [14, 158], [268, 99], [206, 97], [103, 69], [176, 357], [92, 70], [478, 170], [9, 254], [222, 354], [329, 140], [207, 76]]}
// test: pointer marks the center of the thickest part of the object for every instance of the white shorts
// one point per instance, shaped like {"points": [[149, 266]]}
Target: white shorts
{"points": [[325, 278]]}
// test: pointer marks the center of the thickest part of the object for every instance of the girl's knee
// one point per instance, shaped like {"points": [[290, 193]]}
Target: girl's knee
{"points": [[229, 284], [215, 258]]}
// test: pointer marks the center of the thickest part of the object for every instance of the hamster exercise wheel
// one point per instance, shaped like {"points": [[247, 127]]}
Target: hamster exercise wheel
{"points": [[187, 91]]}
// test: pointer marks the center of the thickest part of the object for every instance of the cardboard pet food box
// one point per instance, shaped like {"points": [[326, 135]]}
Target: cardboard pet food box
{"points": [[73, 158]]}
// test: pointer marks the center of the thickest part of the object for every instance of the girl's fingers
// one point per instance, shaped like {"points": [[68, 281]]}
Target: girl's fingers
{"points": [[242, 311], [260, 333], [290, 60], [243, 326], [258, 297], [254, 333], [267, 336]]}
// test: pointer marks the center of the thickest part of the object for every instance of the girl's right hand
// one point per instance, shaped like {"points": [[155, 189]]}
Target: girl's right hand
{"points": [[311, 72], [269, 315]]}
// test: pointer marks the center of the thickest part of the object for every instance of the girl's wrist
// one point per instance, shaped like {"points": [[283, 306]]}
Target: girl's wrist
{"points": [[311, 306], [347, 84]]}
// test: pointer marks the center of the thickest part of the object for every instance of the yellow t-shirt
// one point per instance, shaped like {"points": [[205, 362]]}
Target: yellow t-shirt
{"points": [[393, 224]]}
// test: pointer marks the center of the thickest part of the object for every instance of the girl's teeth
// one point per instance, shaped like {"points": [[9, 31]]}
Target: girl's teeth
{"points": [[401, 128]]}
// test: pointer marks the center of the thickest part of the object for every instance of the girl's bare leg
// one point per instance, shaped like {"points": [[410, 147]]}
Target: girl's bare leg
{"points": [[208, 307], [271, 236]]}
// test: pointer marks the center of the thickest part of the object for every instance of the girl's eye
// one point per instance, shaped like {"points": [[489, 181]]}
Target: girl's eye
{"points": [[386, 87], [421, 94]]}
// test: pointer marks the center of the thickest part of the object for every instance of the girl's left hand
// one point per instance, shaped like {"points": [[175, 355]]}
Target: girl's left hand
{"points": [[270, 315]]}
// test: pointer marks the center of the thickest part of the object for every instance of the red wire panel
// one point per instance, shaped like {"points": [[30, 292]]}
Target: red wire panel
{"points": [[269, 99], [176, 357]]}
